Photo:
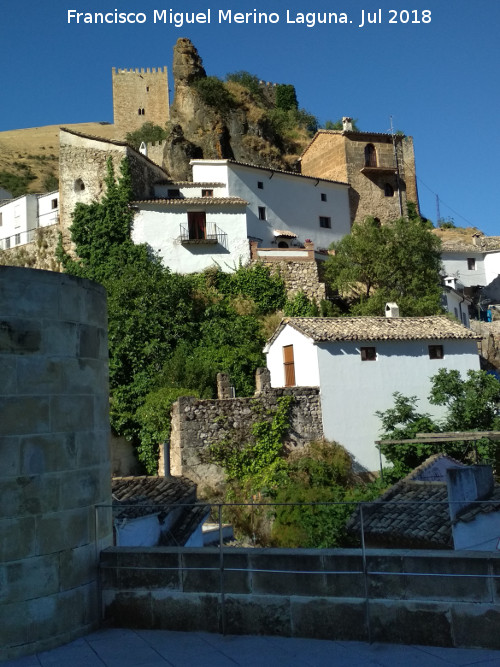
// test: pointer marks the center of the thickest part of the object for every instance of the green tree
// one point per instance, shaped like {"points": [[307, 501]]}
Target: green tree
{"points": [[396, 261], [248, 81], [286, 97], [148, 133], [472, 404], [338, 125]]}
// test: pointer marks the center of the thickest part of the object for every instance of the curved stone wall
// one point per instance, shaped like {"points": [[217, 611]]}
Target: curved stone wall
{"points": [[54, 453]]}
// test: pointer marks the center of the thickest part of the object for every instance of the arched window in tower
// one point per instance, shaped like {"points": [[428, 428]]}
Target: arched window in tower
{"points": [[370, 156], [388, 190]]}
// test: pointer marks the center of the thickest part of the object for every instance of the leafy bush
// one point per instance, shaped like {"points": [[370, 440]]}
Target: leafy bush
{"points": [[214, 94], [148, 133], [286, 97], [248, 81], [17, 184], [300, 306]]}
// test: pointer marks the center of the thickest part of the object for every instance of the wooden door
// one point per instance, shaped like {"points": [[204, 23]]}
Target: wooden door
{"points": [[289, 366], [197, 224]]}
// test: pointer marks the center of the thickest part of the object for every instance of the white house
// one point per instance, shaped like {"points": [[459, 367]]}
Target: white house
{"points": [[20, 217], [359, 362], [475, 264], [193, 226], [305, 206], [211, 220]]}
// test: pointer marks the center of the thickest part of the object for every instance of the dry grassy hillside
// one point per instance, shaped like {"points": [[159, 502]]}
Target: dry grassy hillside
{"points": [[32, 155]]}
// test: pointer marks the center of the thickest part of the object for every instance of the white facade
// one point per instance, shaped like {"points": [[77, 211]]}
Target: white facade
{"points": [[352, 390], [312, 208], [467, 266], [20, 217], [165, 228]]}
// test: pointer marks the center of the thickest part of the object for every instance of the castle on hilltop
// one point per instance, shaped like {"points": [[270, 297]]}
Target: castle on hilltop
{"points": [[140, 96]]}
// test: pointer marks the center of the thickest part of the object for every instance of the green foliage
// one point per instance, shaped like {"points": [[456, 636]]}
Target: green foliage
{"points": [[472, 405], [50, 182], [446, 224], [154, 418], [267, 290], [214, 94], [258, 464], [320, 478], [301, 306], [285, 123], [397, 261], [17, 184], [148, 133], [248, 81], [286, 97], [338, 125]]}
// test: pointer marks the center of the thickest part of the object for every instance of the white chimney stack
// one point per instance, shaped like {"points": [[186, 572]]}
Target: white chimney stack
{"points": [[391, 309], [347, 124]]}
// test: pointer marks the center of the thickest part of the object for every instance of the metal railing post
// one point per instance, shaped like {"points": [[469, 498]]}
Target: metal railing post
{"points": [[221, 573], [365, 575]]}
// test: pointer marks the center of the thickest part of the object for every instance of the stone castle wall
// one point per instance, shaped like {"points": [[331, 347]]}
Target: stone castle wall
{"points": [[196, 424], [54, 448], [139, 96]]}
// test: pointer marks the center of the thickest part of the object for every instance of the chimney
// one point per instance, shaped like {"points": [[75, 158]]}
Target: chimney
{"points": [[476, 239], [347, 124], [391, 309], [143, 149], [465, 485]]}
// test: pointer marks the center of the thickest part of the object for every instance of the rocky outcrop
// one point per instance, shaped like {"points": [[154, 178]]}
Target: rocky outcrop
{"points": [[197, 129]]}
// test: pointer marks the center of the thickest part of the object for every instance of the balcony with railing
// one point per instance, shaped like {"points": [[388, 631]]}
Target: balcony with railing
{"points": [[207, 234]]}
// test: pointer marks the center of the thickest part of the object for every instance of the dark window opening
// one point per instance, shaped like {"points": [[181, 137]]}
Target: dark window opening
{"points": [[174, 193], [325, 222], [289, 366], [147, 89], [283, 244], [260, 185], [197, 225], [17, 239], [207, 193], [368, 353], [262, 213], [471, 263], [388, 190], [79, 185], [370, 156], [53, 203], [323, 196], [436, 352]]}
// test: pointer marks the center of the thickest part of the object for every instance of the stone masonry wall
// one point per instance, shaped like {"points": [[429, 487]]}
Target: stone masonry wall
{"points": [[38, 254], [139, 90], [54, 452], [196, 424]]}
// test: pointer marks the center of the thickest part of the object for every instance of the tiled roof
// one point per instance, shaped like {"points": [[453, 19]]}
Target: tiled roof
{"points": [[190, 201], [285, 233], [190, 184], [280, 171], [484, 244], [327, 329], [412, 513], [153, 490], [188, 523]]}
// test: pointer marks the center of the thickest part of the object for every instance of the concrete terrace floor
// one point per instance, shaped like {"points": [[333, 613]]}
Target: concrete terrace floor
{"points": [[161, 648]]}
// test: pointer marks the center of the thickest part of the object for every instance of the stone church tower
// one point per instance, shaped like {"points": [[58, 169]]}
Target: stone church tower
{"points": [[139, 96], [380, 169]]}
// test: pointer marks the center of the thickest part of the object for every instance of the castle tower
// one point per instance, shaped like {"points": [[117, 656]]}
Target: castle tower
{"points": [[379, 168], [139, 96]]}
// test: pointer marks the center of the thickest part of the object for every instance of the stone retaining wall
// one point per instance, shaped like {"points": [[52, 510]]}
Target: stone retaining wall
{"points": [[196, 424], [440, 598]]}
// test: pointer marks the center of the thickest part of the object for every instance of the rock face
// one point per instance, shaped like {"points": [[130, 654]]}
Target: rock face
{"points": [[201, 130]]}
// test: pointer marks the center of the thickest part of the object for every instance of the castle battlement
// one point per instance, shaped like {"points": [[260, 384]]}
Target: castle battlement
{"points": [[140, 95], [142, 70]]}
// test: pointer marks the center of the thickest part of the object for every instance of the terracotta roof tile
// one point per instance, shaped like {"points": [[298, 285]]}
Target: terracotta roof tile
{"points": [[327, 329], [190, 201]]}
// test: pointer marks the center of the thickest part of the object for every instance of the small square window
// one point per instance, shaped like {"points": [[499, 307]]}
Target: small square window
{"points": [[53, 203], [207, 193], [436, 352], [17, 239], [260, 185], [323, 196], [368, 353], [174, 194], [262, 213], [471, 264], [325, 222]]}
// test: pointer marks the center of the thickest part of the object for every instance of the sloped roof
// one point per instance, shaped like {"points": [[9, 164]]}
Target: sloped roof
{"points": [[329, 329], [190, 184], [484, 244], [190, 201], [354, 134], [414, 512], [154, 490]]}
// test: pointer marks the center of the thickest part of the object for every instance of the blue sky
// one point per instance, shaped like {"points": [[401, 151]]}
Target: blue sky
{"points": [[438, 80]]}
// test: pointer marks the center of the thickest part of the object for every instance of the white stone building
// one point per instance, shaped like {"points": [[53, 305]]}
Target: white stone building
{"points": [[193, 225], [475, 264], [359, 362], [21, 217]]}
